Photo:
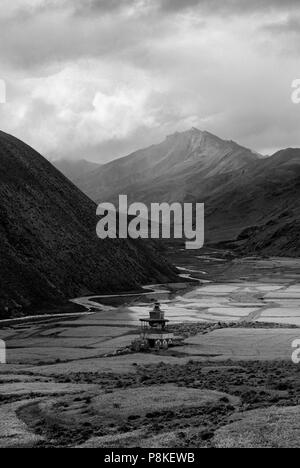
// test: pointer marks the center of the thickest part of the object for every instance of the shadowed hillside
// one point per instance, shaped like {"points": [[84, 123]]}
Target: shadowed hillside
{"points": [[274, 194], [48, 245]]}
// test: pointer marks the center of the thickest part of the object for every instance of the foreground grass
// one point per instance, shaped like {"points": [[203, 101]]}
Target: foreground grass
{"points": [[269, 428], [193, 405]]}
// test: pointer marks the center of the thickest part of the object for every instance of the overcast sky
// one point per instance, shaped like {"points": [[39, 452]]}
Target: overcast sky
{"points": [[97, 79]]}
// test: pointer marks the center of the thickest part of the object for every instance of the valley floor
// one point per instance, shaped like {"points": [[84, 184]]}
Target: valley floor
{"points": [[232, 383]]}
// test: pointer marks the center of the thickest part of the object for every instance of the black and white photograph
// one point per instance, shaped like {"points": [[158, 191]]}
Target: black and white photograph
{"points": [[149, 227]]}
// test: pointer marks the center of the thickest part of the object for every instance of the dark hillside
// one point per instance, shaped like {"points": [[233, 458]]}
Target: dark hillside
{"points": [[48, 245]]}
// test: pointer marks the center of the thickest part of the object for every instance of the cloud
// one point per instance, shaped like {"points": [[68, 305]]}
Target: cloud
{"points": [[98, 79], [44, 32], [89, 7], [25, 8], [130, 7], [287, 26], [83, 105], [231, 7], [65, 33]]}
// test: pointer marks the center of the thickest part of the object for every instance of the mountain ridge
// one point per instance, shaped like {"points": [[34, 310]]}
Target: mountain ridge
{"points": [[49, 251], [242, 190], [179, 155]]}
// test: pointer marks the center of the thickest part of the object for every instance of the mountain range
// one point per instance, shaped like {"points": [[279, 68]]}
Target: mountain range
{"points": [[249, 199], [164, 172], [49, 251]]}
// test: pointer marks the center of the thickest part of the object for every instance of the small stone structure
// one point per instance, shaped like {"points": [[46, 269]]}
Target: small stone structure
{"points": [[154, 331], [2, 352]]}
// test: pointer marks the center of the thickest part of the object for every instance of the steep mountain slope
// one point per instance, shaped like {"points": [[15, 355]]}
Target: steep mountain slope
{"points": [[48, 245], [273, 201], [248, 197], [75, 170], [162, 172]]}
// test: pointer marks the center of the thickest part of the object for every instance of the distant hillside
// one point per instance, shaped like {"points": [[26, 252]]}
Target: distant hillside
{"points": [[48, 245], [163, 172], [75, 170], [242, 192], [272, 197]]}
